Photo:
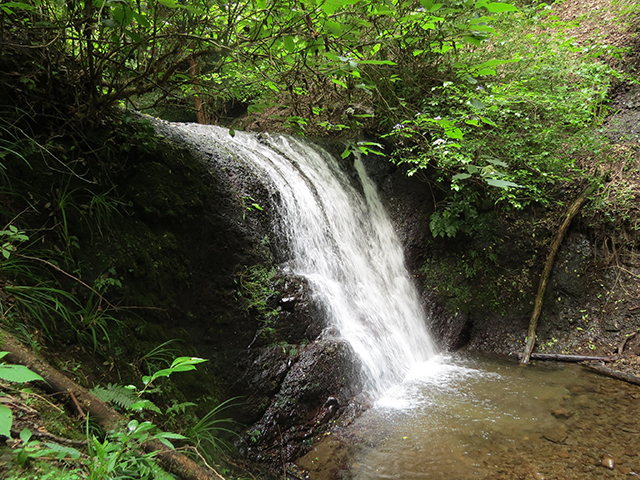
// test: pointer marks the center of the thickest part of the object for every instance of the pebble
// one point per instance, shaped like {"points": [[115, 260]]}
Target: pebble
{"points": [[561, 412], [556, 435], [608, 462]]}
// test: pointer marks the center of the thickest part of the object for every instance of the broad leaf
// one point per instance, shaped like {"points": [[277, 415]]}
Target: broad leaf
{"points": [[18, 374], [501, 183], [461, 176], [6, 420]]}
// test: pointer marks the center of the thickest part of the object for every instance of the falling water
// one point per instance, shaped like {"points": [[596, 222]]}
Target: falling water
{"points": [[344, 244]]}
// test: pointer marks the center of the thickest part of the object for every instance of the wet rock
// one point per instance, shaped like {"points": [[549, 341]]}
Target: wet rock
{"points": [[569, 273], [630, 451], [299, 318], [287, 304], [557, 434], [560, 412], [316, 389], [608, 461]]}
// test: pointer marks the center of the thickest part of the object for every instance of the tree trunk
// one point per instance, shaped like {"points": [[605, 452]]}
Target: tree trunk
{"points": [[193, 72], [546, 273]]}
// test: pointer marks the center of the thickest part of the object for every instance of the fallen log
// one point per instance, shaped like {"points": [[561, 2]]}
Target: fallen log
{"points": [[627, 377], [569, 358], [171, 460]]}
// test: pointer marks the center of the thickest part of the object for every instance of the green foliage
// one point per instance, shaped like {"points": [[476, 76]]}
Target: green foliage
{"points": [[208, 432], [255, 287], [9, 237], [118, 395], [512, 121], [14, 374]]}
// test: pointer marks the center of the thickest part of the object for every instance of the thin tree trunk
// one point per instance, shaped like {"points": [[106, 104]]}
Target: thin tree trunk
{"points": [[546, 273], [193, 72]]}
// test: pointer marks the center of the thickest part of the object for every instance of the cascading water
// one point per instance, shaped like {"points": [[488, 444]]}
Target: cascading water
{"points": [[344, 244]]}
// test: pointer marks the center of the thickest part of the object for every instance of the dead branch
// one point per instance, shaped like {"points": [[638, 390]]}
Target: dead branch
{"points": [[546, 273], [570, 358], [627, 377]]}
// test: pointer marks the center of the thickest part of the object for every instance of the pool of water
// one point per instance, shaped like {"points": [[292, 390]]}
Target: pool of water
{"points": [[461, 417]]}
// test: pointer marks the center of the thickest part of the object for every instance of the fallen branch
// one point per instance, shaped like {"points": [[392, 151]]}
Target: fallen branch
{"points": [[569, 358], [546, 273], [627, 377], [624, 342], [171, 460]]}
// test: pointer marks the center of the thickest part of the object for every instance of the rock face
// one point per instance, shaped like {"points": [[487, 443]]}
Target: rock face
{"points": [[318, 383], [273, 349]]}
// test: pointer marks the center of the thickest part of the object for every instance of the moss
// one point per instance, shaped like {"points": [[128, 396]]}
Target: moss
{"points": [[479, 276]]}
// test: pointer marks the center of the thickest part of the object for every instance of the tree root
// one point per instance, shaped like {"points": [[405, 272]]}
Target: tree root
{"points": [[171, 460]]}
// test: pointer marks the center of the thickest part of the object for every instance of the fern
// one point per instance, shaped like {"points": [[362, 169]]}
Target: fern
{"points": [[116, 395]]}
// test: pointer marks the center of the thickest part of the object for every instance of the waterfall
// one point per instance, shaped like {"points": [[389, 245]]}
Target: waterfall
{"points": [[343, 242]]}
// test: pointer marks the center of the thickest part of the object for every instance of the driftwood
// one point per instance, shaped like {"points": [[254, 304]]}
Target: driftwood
{"points": [[546, 273], [171, 460], [627, 377], [569, 358]]}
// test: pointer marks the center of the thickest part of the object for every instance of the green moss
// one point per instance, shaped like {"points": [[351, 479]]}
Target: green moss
{"points": [[478, 277]]}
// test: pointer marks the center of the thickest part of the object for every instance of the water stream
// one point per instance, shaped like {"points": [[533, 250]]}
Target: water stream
{"points": [[340, 238]]}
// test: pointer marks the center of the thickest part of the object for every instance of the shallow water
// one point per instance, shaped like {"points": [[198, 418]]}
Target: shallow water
{"points": [[461, 418]]}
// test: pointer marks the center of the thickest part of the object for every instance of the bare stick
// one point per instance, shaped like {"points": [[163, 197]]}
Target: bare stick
{"points": [[546, 273]]}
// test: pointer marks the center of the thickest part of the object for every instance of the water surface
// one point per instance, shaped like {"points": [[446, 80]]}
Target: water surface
{"points": [[461, 418]]}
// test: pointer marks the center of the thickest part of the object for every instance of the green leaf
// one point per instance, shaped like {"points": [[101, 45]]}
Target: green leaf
{"points": [[25, 435], [18, 374], [495, 161], [376, 62], [501, 183], [497, 7], [145, 405], [472, 40], [453, 133], [289, 43], [477, 104], [461, 176], [7, 6], [169, 3], [6, 420]]}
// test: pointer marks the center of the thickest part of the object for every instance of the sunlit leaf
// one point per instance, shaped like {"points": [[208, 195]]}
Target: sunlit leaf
{"points": [[497, 7], [169, 3]]}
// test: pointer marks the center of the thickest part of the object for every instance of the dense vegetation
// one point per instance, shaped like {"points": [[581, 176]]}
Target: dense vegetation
{"points": [[492, 104]]}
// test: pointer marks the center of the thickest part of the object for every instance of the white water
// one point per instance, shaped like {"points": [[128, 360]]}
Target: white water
{"points": [[344, 244]]}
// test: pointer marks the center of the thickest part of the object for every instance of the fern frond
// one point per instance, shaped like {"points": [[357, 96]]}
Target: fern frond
{"points": [[116, 395]]}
